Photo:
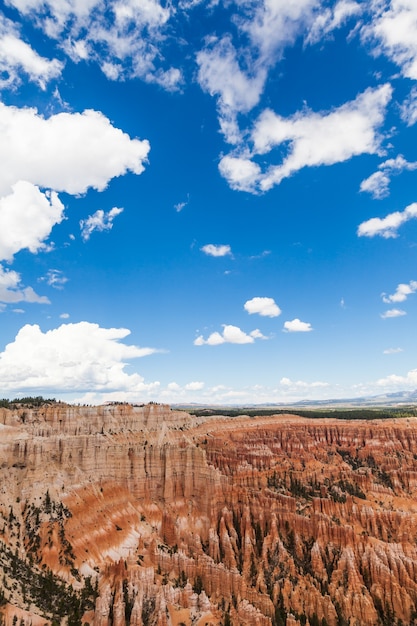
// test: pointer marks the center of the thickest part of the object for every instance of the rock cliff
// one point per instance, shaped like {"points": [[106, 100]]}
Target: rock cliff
{"points": [[141, 515]]}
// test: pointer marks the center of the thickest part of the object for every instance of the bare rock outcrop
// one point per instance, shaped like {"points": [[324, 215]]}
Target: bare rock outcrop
{"points": [[137, 515]]}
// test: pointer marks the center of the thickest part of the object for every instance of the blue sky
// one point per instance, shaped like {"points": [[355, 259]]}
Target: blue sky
{"points": [[208, 201]]}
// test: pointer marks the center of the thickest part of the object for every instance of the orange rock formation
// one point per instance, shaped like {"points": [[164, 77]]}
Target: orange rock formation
{"points": [[141, 515]]}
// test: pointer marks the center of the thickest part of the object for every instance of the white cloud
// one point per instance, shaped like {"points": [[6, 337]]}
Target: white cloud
{"points": [[220, 74], [315, 139], [215, 339], [297, 326], [241, 173], [98, 221], [16, 57], [272, 26], [26, 218], [393, 30], [55, 278], [331, 18], [398, 165], [388, 226], [181, 205], [264, 306], [122, 36], [12, 291], [395, 381], [256, 334], [70, 358], [393, 313], [194, 386], [236, 74], [64, 316], [308, 139], [69, 152], [393, 350], [170, 80], [295, 385], [53, 14], [401, 293], [378, 183], [216, 250], [409, 108], [173, 392], [230, 334]]}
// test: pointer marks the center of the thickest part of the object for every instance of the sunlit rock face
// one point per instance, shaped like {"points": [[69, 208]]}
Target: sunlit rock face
{"points": [[141, 515]]}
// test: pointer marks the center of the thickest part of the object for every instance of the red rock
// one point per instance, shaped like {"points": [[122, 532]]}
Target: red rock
{"points": [[273, 518]]}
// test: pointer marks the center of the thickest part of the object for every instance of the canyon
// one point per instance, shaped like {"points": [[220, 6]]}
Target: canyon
{"points": [[142, 515]]}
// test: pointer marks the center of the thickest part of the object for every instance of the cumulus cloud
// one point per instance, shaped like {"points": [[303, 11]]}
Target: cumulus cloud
{"points": [[392, 29], [315, 139], [301, 384], [353, 125], [174, 392], [393, 313], [236, 71], [256, 334], [388, 226], [98, 221], [70, 358], [26, 218], [308, 139], [394, 381], [220, 74], [17, 57], [241, 173], [238, 91], [401, 293], [122, 36], [230, 334], [236, 74], [266, 307], [297, 326], [69, 152], [194, 386], [217, 250], [378, 183], [12, 290]]}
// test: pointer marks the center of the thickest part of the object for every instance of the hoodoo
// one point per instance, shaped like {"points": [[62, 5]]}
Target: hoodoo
{"points": [[141, 515]]}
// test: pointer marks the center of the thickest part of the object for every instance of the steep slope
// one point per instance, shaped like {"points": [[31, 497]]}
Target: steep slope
{"points": [[141, 515]]}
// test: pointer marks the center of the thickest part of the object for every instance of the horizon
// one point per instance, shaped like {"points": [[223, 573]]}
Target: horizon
{"points": [[390, 402], [212, 203]]}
